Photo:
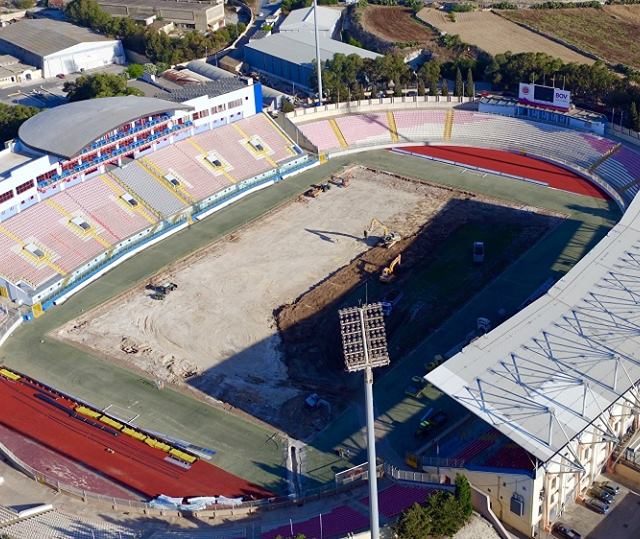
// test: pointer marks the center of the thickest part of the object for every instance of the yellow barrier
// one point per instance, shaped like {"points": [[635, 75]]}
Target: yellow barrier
{"points": [[134, 433], [111, 422], [182, 456], [157, 444], [88, 412], [11, 375]]}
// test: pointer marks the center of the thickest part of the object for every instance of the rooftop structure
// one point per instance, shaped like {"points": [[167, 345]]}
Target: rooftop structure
{"points": [[302, 20], [211, 89], [42, 131], [58, 47], [44, 36], [199, 15], [290, 55]]}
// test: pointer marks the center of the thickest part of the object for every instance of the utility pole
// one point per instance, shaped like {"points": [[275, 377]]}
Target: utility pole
{"points": [[318, 62]]}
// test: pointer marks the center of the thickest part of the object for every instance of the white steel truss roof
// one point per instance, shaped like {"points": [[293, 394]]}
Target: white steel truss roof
{"points": [[553, 369]]}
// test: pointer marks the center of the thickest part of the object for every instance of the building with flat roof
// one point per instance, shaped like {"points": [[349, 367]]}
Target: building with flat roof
{"points": [[290, 56], [201, 15], [58, 47], [302, 20]]}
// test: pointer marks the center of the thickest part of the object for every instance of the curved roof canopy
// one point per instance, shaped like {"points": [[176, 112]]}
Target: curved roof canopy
{"points": [[65, 130]]}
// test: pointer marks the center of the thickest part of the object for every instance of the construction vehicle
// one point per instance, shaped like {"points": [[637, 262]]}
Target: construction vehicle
{"points": [[388, 274], [161, 289], [312, 192], [388, 239], [339, 181]]}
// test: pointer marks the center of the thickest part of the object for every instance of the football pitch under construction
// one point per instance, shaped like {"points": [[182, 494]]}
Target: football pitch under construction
{"points": [[251, 331]]}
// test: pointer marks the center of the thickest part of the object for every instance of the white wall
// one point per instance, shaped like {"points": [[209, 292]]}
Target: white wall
{"points": [[83, 56]]}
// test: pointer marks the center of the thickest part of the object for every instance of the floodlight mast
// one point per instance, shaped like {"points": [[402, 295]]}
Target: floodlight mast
{"points": [[365, 347], [318, 62]]}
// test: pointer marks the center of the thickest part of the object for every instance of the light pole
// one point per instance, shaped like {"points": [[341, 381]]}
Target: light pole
{"points": [[364, 345], [318, 62]]}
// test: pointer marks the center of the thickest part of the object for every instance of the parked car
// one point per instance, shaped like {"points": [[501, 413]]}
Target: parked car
{"points": [[597, 505], [610, 487], [431, 423], [602, 495], [564, 532]]}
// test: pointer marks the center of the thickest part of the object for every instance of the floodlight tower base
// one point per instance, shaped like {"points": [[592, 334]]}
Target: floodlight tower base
{"points": [[371, 454]]}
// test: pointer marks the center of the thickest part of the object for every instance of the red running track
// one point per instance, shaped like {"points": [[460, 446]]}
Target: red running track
{"points": [[513, 164], [65, 470], [120, 457]]}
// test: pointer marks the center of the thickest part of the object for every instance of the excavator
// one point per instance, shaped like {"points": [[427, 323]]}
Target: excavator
{"points": [[389, 238], [388, 274]]}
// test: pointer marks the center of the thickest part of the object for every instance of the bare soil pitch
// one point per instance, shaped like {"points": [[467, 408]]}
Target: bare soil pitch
{"points": [[253, 320]]}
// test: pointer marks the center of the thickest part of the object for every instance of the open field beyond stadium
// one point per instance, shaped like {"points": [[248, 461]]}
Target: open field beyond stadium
{"points": [[609, 32], [496, 35], [250, 450]]}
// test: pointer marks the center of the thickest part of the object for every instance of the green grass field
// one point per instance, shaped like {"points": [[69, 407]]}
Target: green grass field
{"points": [[254, 451]]}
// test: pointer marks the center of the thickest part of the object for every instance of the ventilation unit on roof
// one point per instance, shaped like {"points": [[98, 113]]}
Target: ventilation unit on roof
{"points": [[257, 145], [213, 159], [33, 249], [129, 199], [171, 178], [80, 222]]}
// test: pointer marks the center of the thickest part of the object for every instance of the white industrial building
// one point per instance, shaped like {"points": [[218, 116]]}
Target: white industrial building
{"points": [[58, 47], [560, 380], [303, 20]]}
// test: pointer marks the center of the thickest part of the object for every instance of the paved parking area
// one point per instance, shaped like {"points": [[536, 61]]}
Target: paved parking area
{"points": [[622, 521]]}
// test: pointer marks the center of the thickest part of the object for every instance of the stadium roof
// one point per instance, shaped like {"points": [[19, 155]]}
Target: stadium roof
{"points": [[43, 37], [212, 89], [299, 47], [67, 129], [552, 370], [303, 20]]}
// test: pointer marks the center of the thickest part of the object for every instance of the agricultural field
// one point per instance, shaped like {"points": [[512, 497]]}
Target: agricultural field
{"points": [[610, 33], [396, 24], [495, 35]]}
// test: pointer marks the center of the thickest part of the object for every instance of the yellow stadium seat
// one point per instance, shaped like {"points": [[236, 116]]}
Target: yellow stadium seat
{"points": [[88, 412], [134, 433], [111, 422], [11, 375], [182, 455], [158, 444]]}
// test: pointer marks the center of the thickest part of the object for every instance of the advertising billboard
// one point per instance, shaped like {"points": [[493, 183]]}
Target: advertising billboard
{"points": [[546, 96]]}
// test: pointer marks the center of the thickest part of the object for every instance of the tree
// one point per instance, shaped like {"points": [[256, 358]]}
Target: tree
{"points": [[459, 89], [470, 90], [24, 4], [635, 117], [414, 5], [12, 117], [135, 71], [444, 514], [444, 89], [463, 495], [98, 85], [414, 523], [287, 106]]}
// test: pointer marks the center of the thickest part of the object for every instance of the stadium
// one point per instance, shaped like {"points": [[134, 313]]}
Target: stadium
{"points": [[247, 236]]}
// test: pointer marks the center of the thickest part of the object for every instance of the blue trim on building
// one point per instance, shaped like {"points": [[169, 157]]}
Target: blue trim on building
{"points": [[257, 96]]}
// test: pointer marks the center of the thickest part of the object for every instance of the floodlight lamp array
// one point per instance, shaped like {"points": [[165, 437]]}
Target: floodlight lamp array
{"points": [[364, 339]]}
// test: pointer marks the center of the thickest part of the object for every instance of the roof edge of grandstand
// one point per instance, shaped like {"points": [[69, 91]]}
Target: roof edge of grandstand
{"points": [[39, 133]]}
